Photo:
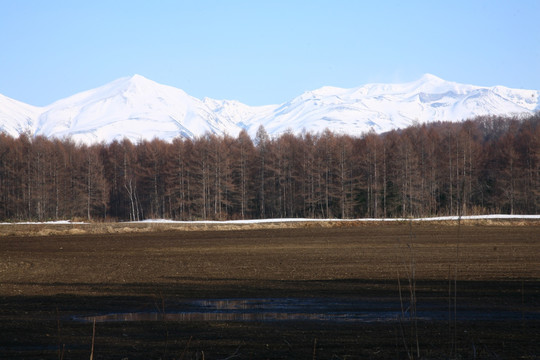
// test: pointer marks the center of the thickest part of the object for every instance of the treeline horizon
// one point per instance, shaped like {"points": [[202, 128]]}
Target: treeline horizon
{"points": [[489, 164]]}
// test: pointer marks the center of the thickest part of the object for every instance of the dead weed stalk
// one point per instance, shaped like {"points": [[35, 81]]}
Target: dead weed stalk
{"points": [[413, 344]]}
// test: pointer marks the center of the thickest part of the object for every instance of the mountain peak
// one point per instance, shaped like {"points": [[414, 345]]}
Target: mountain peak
{"points": [[432, 84], [430, 78], [139, 79], [429, 82], [136, 77]]}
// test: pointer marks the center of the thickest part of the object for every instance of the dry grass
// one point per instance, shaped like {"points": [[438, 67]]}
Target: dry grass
{"points": [[50, 229]]}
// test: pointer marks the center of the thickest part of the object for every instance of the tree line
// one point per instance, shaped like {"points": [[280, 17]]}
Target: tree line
{"points": [[484, 165]]}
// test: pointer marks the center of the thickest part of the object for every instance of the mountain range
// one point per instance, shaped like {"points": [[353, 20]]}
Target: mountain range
{"points": [[140, 109]]}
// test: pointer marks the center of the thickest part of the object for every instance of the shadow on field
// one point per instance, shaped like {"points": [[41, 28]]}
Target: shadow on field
{"points": [[43, 325]]}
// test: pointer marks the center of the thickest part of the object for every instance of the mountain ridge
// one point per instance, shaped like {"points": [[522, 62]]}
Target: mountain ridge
{"points": [[138, 108]]}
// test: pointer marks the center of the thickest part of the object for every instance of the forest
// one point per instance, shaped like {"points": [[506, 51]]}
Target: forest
{"points": [[488, 164]]}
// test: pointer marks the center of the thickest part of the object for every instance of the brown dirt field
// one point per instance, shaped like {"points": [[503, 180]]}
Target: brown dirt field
{"points": [[49, 277]]}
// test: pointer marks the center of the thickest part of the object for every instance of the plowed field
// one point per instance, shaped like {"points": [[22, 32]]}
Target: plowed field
{"points": [[50, 284]]}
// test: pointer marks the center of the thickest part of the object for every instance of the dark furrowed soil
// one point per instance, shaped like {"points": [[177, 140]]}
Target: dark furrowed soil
{"points": [[47, 282]]}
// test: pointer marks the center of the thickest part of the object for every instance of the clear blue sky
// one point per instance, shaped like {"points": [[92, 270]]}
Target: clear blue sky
{"points": [[263, 52]]}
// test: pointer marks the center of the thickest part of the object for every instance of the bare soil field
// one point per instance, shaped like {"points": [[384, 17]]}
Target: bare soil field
{"points": [[483, 278]]}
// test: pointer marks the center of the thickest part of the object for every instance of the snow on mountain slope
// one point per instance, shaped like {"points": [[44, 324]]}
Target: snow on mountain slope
{"points": [[237, 112], [135, 108], [383, 107], [17, 117]]}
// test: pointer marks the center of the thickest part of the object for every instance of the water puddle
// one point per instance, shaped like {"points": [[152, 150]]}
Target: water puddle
{"points": [[291, 309]]}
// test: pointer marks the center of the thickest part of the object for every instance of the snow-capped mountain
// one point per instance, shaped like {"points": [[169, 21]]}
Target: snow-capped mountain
{"points": [[137, 108], [383, 107], [17, 117]]}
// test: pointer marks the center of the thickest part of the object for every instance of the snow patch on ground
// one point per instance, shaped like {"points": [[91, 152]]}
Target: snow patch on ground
{"points": [[262, 221], [56, 222], [292, 220]]}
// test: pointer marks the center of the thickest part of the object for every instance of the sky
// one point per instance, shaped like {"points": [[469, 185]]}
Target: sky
{"points": [[263, 52]]}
